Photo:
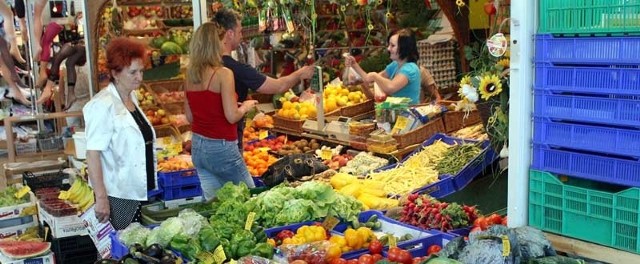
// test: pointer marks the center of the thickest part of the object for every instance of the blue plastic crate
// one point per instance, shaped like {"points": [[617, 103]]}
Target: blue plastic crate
{"points": [[258, 182], [179, 192], [610, 110], [118, 250], [609, 140], [419, 247], [469, 171], [443, 187], [587, 50], [593, 80], [610, 169], [178, 178], [154, 193]]}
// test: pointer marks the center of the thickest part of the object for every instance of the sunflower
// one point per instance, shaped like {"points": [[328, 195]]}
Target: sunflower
{"points": [[465, 80], [504, 63], [460, 3], [490, 86]]}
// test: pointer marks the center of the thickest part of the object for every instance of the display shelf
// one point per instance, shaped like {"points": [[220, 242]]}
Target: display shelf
{"points": [[10, 121]]}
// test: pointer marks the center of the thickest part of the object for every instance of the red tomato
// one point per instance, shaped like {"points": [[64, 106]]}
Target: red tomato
{"points": [[366, 259], [494, 219], [375, 247], [393, 254], [352, 261], [377, 257], [338, 261], [433, 249], [405, 257]]}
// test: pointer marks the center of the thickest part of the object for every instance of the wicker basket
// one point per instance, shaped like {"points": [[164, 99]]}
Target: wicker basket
{"points": [[357, 109], [167, 131], [159, 87], [288, 124], [420, 134], [454, 120]]}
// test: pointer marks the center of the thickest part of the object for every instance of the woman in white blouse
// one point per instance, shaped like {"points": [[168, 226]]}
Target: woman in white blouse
{"points": [[120, 139]]}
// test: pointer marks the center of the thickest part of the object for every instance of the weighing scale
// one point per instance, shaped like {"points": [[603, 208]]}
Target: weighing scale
{"points": [[339, 129], [316, 126]]}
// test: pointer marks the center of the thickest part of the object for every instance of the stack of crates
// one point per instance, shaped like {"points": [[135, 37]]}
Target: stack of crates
{"points": [[587, 122], [179, 185]]}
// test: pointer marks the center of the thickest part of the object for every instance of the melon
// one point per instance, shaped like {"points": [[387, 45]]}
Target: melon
{"points": [[23, 249]]}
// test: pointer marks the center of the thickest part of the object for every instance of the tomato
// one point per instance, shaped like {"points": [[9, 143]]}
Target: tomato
{"points": [[366, 259], [375, 247], [377, 257], [494, 219], [504, 221], [338, 261], [393, 254], [405, 257], [433, 249], [352, 261]]}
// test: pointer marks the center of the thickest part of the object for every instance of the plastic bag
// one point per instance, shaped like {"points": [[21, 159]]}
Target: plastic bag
{"points": [[255, 260], [312, 253]]}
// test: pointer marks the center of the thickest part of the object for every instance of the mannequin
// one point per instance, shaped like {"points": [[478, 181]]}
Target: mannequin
{"points": [[9, 31], [7, 68]]}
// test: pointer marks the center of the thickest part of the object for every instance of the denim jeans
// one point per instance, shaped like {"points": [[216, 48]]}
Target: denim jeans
{"points": [[218, 161]]}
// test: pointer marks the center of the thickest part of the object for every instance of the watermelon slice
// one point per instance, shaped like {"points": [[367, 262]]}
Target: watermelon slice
{"points": [[23, 249]]}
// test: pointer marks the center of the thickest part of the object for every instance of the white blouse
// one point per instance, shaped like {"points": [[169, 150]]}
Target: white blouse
{"points": [[111, 129]]}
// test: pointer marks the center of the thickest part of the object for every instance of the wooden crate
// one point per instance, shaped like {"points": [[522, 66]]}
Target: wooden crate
{"points": [[420, 134], [455, 120]]}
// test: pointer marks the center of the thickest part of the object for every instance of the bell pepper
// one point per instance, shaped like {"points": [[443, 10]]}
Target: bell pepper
{"points": [[259, 233], [263, 250], [241, 243], [209, 240]]}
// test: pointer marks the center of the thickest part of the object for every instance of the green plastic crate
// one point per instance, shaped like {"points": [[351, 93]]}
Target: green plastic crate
{"points": [[585, 210], [589, 16]]}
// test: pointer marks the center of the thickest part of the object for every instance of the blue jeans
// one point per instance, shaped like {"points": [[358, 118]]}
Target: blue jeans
{"points": [[218, 161]]}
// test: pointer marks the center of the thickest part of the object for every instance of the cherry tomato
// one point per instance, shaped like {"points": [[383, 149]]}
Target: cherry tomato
{"points": [[433, 249], [375, 247], [377, 257], [494, 219], [393, 254], [338, 261], [405, 257], [352, 261], [504, 221], [366, 259]]}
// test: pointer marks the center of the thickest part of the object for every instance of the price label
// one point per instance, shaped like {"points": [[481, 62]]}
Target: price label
{"points": [[393, 241], [330, 222], [506, 246], [326, 154], [249, 222], [218, 255], [401, 124], [22, 192], [263, 134]]}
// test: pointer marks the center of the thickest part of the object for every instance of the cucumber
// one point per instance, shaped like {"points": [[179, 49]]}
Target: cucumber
{"points": [[372, 219]]}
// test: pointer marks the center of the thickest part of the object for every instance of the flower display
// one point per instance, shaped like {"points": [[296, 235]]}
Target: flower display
{"points": [[490, 86]]}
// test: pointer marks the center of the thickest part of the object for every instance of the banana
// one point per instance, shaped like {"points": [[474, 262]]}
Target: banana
{"points": [[84, 195], [64, 195], [72, 193], [87, 202]]}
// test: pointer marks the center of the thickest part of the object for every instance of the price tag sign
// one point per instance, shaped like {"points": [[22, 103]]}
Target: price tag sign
{"points": [[263, 134], [506, 246], [218, 255], [330, 222], [401, 124], [249, 222], [393, 242], [22, 192], [326, 154]]}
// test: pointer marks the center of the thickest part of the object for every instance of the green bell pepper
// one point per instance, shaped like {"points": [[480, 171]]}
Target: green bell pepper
{"points": [[263, 250]]}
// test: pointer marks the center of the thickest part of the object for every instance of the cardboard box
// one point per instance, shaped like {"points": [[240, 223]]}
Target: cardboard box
{"points": [[16, 230], [64, 226], [46, 259], [20, 210]]}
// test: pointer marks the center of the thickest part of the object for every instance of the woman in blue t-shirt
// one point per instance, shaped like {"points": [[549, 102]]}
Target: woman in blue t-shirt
{"points": [[401, 78]]}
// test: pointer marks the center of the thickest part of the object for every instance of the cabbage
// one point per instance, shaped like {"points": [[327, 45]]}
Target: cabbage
{"points": [[192, 222], [156, 237], [171, 227], [134, 233]]}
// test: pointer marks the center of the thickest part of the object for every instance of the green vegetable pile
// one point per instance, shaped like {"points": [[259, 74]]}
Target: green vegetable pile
{"points": [[8, 197], [457, 157], [284, 205]]}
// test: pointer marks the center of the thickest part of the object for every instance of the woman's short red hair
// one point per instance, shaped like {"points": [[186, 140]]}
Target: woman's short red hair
{"points": [[121, 51]]}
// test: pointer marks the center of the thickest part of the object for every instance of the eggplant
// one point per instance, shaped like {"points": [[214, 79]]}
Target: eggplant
{"points": [[168, 259], [145, 258], [106, 261], [154, 251], [136, 247]]}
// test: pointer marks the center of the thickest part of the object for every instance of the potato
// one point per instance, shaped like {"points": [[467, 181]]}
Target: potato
{"points": [[315, 145], [306, 149]]}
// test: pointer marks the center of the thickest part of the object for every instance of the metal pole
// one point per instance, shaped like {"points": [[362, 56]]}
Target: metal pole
{"points": [[520, 111], [33, 65], [88, 45], [199, 12]]}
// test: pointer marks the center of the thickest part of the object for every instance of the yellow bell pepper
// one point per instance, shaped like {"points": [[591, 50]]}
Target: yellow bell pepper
{"points": [[340, 180]]}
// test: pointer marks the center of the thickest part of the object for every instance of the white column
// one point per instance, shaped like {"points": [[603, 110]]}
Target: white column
{"points": [[88, 46], [523, 28], [199, 12]]}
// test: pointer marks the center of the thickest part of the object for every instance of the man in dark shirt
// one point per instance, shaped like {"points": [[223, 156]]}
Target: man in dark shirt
{"points": [[245, 76]]}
